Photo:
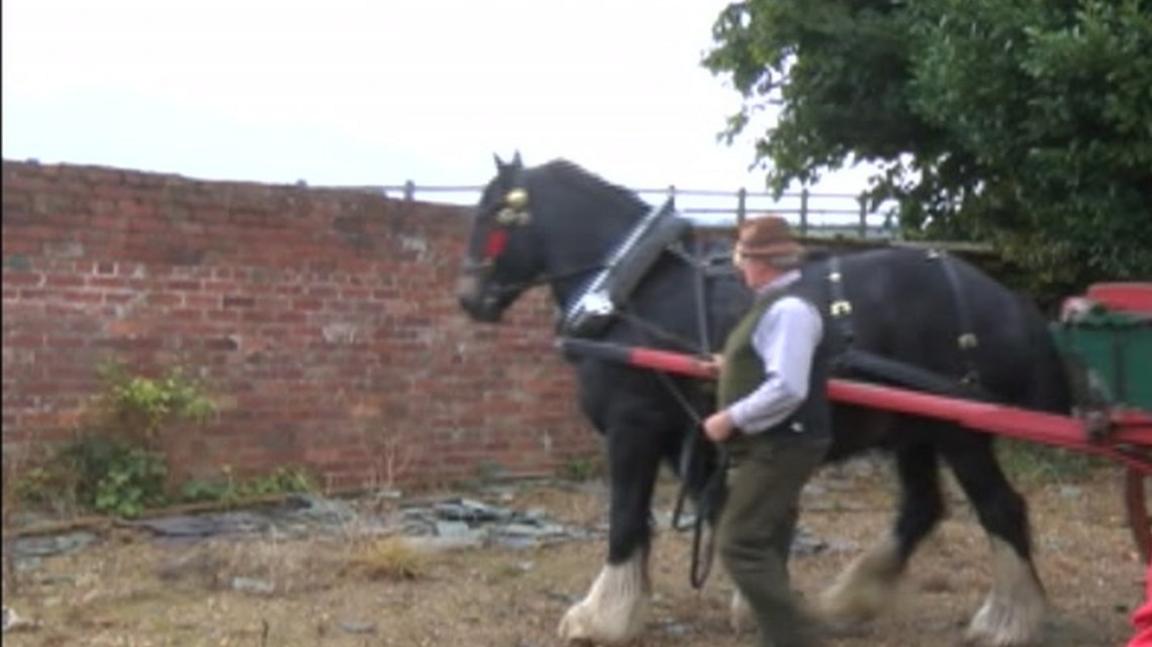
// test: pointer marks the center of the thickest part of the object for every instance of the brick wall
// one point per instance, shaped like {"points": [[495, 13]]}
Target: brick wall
{"points": [[323, 321]]}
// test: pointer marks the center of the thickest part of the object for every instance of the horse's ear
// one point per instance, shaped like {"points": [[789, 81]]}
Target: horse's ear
{"points": [[516, 160], [499, 162]]}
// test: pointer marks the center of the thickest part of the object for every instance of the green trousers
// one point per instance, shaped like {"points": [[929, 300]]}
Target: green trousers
{"points": [[766, 473]]}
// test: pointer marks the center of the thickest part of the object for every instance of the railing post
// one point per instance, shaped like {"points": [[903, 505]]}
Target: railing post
{"points": [[409, 190], [804, 211], [741, 203], [863, 216]]}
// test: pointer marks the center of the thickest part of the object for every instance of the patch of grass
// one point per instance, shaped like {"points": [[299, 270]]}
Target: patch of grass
{"points": [[390, 558], [1033, 462], [582, 469]]}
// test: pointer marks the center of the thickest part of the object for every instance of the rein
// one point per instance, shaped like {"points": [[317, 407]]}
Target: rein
{"points": [[703, 551], [700, 568], [475, 269]]}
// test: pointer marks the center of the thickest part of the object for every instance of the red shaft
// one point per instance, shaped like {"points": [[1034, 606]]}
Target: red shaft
{"points": [[1131, 428], [1135, 428], [671, 362]]}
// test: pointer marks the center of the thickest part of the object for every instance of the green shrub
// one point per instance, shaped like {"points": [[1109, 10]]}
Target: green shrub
{"points": [[230, 490], [116, 477], [138, 407]]}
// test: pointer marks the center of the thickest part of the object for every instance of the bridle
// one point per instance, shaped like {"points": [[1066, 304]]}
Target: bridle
{"points": [[514, 214]]}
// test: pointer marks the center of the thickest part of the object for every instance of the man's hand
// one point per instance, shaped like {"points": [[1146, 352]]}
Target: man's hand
{"points": [[718, 427], [713, 365]]}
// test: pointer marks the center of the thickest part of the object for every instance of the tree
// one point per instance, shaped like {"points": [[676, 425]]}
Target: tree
{"points": [[1025, 124]]}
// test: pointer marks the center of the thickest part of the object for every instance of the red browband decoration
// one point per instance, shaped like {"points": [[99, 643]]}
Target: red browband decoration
{"points": [[497, 241]]}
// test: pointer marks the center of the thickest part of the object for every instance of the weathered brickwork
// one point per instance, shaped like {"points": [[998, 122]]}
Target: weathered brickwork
{"points": [[323, 321]]}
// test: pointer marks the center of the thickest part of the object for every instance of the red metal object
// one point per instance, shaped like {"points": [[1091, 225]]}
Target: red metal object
{"points": [[689, 365], [1123, 297], [1130, 428]]}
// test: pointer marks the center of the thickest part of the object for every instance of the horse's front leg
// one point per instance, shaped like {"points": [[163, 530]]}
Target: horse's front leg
{"points": [[615, 609]]}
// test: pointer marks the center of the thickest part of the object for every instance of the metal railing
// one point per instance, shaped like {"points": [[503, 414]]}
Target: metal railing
{"points": [[812, 213]]}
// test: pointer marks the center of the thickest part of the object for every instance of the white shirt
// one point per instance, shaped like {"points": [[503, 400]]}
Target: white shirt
{"points": [[785, 338]]}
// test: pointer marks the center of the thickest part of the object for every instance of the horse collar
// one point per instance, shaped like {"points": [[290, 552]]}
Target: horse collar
{"points": [[601, 299]]}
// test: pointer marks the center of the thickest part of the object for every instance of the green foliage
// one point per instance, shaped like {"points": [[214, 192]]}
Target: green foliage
{"points": [[1025, 124], [582, 469], [50, 486], [113, 467], [231, 490], [137, 407], [114, 476]]}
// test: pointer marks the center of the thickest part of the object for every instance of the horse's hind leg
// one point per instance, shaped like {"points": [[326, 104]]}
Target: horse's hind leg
{"points": [[868, 585], [615, 609], [1013, 612]]}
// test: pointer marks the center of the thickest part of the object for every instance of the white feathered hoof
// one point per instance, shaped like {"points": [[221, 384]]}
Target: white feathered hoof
{"points": [[615, 610], [740, 616], [997, 624], [1014, 611], [862, 591]]}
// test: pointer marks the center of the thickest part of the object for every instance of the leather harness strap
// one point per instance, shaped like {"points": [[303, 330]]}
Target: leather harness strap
{"points": [[883, 368], [967, 340]]}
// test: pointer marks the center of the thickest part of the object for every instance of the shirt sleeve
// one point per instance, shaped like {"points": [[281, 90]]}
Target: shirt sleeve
{"points": [[785, 338]]}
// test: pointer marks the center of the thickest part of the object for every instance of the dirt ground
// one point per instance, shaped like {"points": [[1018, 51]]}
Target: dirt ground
{"points": [[131, 590]]}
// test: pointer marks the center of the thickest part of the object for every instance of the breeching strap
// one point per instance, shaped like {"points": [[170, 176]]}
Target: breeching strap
{"points": [[967, 340]]}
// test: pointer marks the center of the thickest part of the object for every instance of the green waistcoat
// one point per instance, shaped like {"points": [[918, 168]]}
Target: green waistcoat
{"points": [[743, 367], [744, 370]]}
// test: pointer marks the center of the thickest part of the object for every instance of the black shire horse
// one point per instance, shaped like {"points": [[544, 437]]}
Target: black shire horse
{"points": [[558, 224]]}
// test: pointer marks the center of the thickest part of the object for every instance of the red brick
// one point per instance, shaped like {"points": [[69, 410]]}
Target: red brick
{"points": [[243, 294]]}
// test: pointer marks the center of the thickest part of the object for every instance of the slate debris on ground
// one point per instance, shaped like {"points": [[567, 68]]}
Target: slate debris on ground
{"points": [[456, 521]]}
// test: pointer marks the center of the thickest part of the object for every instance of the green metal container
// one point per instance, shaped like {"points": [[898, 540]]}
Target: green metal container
{"points": [[1116, 347]]}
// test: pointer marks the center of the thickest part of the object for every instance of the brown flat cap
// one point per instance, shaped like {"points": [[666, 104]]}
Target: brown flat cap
{"points": [[768, 238]]}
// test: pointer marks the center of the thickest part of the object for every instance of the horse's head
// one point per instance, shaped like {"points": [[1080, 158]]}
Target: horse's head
{"points": [[504, 255]]}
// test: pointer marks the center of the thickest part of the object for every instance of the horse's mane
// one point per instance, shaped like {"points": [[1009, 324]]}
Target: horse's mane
{"points": [[574, 175]]}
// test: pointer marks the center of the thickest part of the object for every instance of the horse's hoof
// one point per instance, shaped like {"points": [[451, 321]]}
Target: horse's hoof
{"points": [[581, 626], [740, 617], [572, 627], [1000, 625], [843, 608]]}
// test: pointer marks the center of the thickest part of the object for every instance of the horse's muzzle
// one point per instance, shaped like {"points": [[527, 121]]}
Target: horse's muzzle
{"points": [[479, 306]]}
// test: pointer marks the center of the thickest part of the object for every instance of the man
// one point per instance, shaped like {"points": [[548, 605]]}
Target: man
{"points": [[774, 421]]}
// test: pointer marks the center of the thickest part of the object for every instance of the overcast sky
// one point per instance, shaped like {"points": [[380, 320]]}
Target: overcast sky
{"points": [[371, 92]]}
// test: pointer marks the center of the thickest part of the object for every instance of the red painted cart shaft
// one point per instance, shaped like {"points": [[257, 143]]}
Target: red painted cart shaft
{"points": [[1131, 429]]}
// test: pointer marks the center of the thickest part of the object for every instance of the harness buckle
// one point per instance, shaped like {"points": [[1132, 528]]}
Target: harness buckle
{"points": [[840, 308], [968, 341]]}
